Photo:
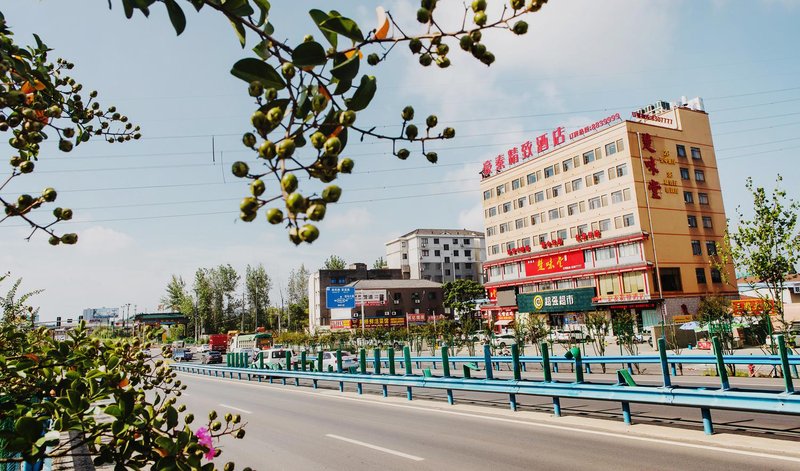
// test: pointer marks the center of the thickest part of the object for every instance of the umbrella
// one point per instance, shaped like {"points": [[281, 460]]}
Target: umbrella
{"points": [[690, 326]]}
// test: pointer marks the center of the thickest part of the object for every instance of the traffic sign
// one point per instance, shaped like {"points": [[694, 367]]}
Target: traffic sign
{"points": [[340, 297]]}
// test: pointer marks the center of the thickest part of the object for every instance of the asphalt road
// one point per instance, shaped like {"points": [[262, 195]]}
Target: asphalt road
{"points": [[302, 429]]}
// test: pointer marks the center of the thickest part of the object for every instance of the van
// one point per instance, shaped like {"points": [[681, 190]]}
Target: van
{"points": [[277, 356]]}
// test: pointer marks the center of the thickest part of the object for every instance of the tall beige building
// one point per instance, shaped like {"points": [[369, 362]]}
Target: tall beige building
{"points": [[621, 215]]}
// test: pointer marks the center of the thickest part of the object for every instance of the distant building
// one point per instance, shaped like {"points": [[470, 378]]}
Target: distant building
{"points": [[752, 288], [391, 304], [100, 314], [438, 255], [319, 316]]}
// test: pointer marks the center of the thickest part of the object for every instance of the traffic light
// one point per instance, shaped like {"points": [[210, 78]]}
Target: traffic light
{"points": [[58, 321]]}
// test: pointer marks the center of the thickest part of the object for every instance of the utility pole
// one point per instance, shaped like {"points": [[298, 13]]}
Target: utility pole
{"points": [[280, 290]]}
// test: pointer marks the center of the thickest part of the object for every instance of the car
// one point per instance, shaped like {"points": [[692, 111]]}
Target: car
{"points": [[568, 336], [275, 356], [210, 356], [504, 340], [203, 348], [181, 354], [329, 359]]}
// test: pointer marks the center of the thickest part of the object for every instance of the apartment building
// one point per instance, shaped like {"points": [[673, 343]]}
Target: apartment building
{"points": [[622, 215], [438, 255]]}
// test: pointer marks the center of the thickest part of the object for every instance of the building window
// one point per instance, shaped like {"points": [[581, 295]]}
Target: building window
{"points": [[447, 260], [605, 225], [702, 198], [700, 273], [490, 231], [455, 241], [447, 272], [616, 197], [696, 249], [536, 219], [556, 191], [552, 214], [604, 253], [632, 282], [707, 223], [435, 241], [457, 266], [671, 279], [425, 252], [466, 241], [567, 165], [583, 229], [684, 173], [492, 211], [504, 227], [611, 149], [608, 284], [519, 224], [711, 247], [688, 197], [468, 253], [405, 256], [438, 253], [531, 178], [626, 194], [507, 206], [629, 250], [495, 249], [508, 269], [516, 183], [572, 209], [520, 203], [500, 189], [628, 220], [487, 194], [538, 196], [716, 276], [447, 246], [681, 150], [696, 153], [577, 184], [622, 170], [699, 176], [549, 172], [468, 266], [562, 233], [588, 157], [594, 203], [598, 178], [692, 220], [455, 253]]}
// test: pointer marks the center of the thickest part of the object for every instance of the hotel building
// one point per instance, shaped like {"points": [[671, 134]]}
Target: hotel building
{"points": [[622, 215]]}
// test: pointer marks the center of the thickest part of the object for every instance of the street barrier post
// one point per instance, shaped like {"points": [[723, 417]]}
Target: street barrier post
{"points": [[723, 373], [787, 373], [626, 409], [708, 425], [465, 368], [362, 361], [376, 360], [260, 360], [391, 361], [320, 356], [487, 361], [548, 377], [407, 365], [574, 354], [445, 362], [303, 360], [662, 353], [338, 360], [515, 361]]}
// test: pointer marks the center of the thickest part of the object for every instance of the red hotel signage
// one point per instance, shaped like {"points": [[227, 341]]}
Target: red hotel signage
{"points": [[555, 263]]}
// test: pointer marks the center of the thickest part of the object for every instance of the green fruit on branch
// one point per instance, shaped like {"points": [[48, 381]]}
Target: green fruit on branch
{"points": [[309, 233], [249, 139], [248, 217], [240, 169], [316, 211], [408, 113], [449, 133], [520, 27], [248, 205], [403, 154], [333, 146], [318, 140], [432, 157], [347, 118], [289, 182], [49, 194], [266, 150], [411, 131], [26, 167], [69, 239], [296, 203], [423, 15], [275, 216], [414, 44], [346, 165], [432, 121], [285, 148], [480, 18], [478, 5], [331, 194]]}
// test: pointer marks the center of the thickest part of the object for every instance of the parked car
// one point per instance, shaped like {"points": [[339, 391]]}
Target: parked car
{"points": [[504, 340], [203, 348], [568, 336], [210, 356], [181, 354], [276, 356], [329, 359]]}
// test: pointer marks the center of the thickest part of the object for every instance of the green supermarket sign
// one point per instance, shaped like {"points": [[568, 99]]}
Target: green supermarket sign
{"points": [[564, 300]]}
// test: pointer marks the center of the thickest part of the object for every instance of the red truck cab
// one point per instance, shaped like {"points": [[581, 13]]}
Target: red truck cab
{"points": [[218, 342]]}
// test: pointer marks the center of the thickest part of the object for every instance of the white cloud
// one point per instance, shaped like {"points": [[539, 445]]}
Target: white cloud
{"points": [[353, 219], [471, 218], [103, 240]]}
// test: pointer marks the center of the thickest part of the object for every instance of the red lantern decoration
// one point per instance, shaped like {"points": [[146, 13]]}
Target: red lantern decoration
{"points": [[597, 233], [560, 241], [544, 245]]}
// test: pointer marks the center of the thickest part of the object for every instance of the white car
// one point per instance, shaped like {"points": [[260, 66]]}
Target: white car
{"points": [[504, 340], [329, 359]]}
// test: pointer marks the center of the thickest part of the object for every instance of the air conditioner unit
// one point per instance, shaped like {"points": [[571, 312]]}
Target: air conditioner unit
{"points": [[796, 289]]}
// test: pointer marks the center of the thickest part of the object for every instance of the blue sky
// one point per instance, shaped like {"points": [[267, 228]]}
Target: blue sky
{"points": [[164, 205]]}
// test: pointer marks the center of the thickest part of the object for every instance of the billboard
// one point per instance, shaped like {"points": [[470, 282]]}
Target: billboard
{"points": [[554, 263], [337, 297], [371, 297], [565, 300]]}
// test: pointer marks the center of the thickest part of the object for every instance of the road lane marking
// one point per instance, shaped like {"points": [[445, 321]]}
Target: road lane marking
{"points": [[277, 387], [376, 447], [235, 408]]}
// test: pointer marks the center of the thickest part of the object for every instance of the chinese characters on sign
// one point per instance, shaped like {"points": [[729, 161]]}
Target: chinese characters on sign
{"points": [[544, 143], [554, 263], [669, 184], [621, 298], [568, 300]]}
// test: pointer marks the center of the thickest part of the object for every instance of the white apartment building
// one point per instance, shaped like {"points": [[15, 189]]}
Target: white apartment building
{"points": [[438, 255]]}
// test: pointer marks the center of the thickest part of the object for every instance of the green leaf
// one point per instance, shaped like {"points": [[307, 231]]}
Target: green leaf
{"points": [[269, 28], [240, 33], [172, 417], [345, 69], [344, 26], [28, 427], [251, 69], [74, 399], [342, 86], [176, 16], [319, 17], [264, 6], [113, 410], [262, 49], [127, 6], [363, 95], [113, 361], [238, 7], [308, 54]]}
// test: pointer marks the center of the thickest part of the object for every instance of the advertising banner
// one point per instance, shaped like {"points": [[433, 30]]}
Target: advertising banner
{"points": [[341, 324], [371, 297], [554, 263], [565, 300]]}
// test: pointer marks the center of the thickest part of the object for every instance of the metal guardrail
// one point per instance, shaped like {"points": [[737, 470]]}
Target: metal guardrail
{"points": [[626, 391]]}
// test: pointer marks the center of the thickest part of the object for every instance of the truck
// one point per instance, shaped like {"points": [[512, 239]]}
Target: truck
{"points": [[218, 342]]}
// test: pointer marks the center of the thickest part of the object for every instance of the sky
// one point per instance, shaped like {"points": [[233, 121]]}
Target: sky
{"points": [[167, 204]]}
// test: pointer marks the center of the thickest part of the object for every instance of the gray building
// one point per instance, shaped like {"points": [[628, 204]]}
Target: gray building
{"points": [[438, 255]]}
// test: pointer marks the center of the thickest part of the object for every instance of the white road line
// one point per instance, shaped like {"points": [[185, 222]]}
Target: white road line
{"points": [[376, 447], [718, 449], [235, 408]]}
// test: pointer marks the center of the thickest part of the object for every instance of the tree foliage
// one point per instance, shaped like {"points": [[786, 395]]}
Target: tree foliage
{"points": [[334, 262], [257, 286], [380, 263], [767, 246], [307, 96], [61, 383], [39, 101], [460, 295]]}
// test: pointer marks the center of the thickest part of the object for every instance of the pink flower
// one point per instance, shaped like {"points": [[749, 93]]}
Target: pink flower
{"points": [[204, 439]]}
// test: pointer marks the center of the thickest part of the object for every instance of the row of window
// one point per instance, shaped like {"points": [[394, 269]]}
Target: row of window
{"points": [[424, 241], [699, 175], [681, 150], [688, 198], [438, 253], [697, 248], [553, 214], [557, 168], [700, 273], [438, 266], [707, 221]]}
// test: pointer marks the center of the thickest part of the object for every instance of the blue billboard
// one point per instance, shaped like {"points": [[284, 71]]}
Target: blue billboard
{"points": [[340, 297]]}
